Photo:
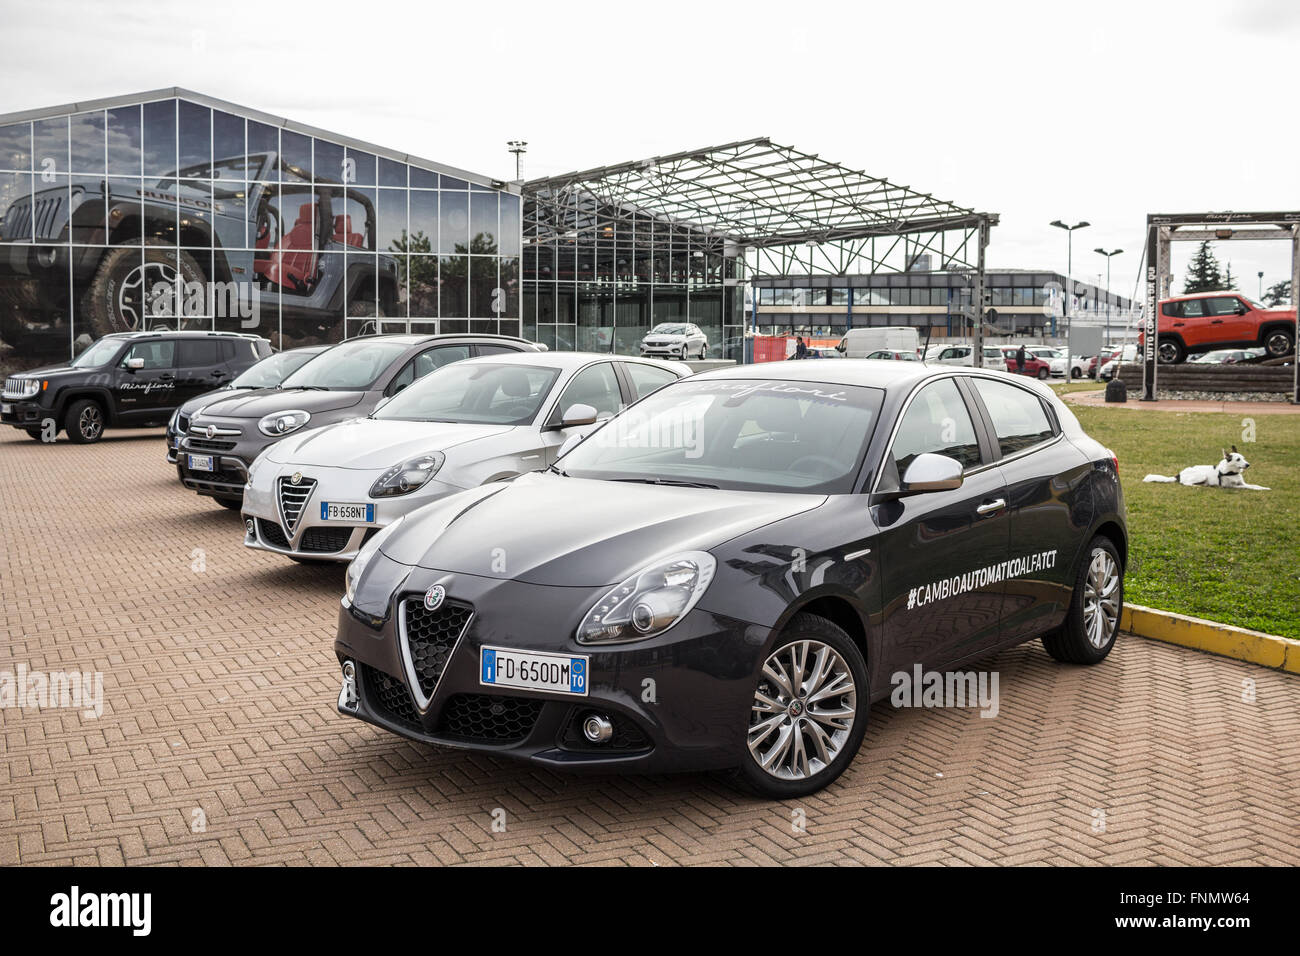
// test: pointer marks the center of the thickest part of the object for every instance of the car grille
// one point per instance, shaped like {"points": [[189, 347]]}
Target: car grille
{"points": [[431, 636], [219, 477], [324, 540], [19, 388], [25, 221], [292, 500], [389, 696], [481, 717], [202, 444], [272, 534]]}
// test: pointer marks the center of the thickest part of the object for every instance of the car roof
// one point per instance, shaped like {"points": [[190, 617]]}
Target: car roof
{"points": [[866, 372], [420, 338], [183, 333], [1204, 295], [567, 361]]}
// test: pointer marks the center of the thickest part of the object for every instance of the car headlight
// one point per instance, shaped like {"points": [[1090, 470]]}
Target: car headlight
{"points": [[357, 566], [281, 423], [650, 601], [408, 476]]}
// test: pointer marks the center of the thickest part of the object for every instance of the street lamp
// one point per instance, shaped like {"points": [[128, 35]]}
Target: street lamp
{"points": [[1069, 263], [1113, 252], [1261, 286], [518, 147]]}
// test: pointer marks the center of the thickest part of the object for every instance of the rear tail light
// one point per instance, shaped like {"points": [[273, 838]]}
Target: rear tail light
{"points": [[1114, 460]]}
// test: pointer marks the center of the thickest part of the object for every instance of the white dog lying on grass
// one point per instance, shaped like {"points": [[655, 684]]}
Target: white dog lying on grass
{"points": [[1226, 474]]}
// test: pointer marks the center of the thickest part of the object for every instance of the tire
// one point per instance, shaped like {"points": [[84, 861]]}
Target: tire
{"points": [[1278, 342], [1042, 374], [704, 352], [230, 504], [34, 433], [1087, 637], [848, 669], [117, 299], [84, 421], [1076, 372], [1170, 350]]}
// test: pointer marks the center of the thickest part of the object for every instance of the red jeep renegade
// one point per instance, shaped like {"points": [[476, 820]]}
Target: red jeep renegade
{"points": [[1189, 324]]}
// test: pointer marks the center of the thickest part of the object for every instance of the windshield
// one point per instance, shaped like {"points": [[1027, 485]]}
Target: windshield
{"points": [[272, 370], [354, 364], [98, 354], [746, 434], [474, 394], [668, 329]]}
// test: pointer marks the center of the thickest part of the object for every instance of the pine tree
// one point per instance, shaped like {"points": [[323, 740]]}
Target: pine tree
{"points": [[1278, 293], [1203, 273], [1229, 280]]}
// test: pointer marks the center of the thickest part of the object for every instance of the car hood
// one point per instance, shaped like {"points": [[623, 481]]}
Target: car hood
{"points": [[50, 371], [666, 337], [264, 401], [546, 529], [369, 443], [199, 402]]}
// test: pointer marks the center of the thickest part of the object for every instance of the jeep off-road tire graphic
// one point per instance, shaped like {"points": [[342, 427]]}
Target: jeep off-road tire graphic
{"points": [[118, 298]]}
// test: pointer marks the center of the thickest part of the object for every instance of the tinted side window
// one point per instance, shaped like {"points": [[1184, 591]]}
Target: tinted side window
{"points": [[1019, 419], [596, 386], [198, 353], [647, 378], [427, 361], [937, 422], [156, 354], [1193, 308], [1223, 305], [495, 349]]}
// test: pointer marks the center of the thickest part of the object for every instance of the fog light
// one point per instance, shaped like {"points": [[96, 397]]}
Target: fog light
{"points": [[252, 529], [348, 693], [597, 728]]}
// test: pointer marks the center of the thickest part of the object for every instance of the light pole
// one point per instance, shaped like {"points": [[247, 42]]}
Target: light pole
{"points": [[1261, 286], [1113, 252], [1069, 264], [518, 147]]}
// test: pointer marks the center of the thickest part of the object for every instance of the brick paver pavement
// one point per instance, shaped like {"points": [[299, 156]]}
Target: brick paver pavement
{"points": [[219, 742]]}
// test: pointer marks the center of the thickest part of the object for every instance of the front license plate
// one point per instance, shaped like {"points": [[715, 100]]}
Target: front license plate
{"points": [[200, 463], [558, 673], [343, 511]]}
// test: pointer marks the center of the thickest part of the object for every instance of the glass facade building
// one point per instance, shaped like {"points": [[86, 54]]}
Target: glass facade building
{"points": [[597, 277], [175, 210]]}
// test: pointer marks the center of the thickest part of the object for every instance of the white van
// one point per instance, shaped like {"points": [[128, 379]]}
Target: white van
{"points": [[859, 343]]}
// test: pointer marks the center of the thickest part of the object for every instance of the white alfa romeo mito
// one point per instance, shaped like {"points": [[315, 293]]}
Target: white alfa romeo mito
{"points": [[320, 495]]}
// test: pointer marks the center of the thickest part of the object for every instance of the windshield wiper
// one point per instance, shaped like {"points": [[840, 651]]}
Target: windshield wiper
{"points": [[311, 388], [559, 471], [667, 481]]}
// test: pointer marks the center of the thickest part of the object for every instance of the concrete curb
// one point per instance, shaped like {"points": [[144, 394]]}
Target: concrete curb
{"points": [[1255, 647]]}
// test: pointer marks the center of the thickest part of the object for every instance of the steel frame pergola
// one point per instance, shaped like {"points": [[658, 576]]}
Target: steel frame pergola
{"points": [[781, 210]]}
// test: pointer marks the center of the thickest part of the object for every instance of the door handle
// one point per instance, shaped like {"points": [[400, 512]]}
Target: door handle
{"points": [[990, 507], [166, 377], [1217, 322]]}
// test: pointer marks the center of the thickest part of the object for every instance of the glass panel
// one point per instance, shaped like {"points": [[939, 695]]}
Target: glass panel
{"points": [[331, 162], [448, 182], [484, 299], [126, 211], [390, 228], [88, 143], [508, 240], [50, 145], [483, 223], [16, 147], [160, 138], [195, 199], [453, 277], [392, 173], [228, 140], [360, 167], [88, 217], [263, 148], [295, 158], [124, 141], [195, 140], [509, 284], [354, 221], [15, 207], [422, 178], [424, 221], [454, 223]]}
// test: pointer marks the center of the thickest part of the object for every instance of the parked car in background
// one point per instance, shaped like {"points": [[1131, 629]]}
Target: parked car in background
{"points": [[1125, 354], [1035, 366], [962, 355], [1069, 366], [1227, 356], [892, 355], [319, 494], [967, 511], [268, 373], [345, 381], [125, 380], [823, 352], [1189, 324], [676, 340]]}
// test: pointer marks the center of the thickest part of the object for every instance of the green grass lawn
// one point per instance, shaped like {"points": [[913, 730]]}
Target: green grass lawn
{"points": [[1229, 556]]}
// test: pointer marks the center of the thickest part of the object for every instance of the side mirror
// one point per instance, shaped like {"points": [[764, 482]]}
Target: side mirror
{"points": [[134, 364], [930, 472], [578, 415]]}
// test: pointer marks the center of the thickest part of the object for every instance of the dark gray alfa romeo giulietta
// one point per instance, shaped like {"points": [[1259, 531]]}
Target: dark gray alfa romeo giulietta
{"points": [[727, 574]]}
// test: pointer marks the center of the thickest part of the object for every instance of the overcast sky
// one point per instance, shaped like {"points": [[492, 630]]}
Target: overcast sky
{"points": [[1032, 110]]}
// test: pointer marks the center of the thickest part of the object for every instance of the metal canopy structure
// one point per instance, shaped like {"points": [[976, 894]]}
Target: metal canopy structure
{"points": [[1164, 229], [786, 209]]}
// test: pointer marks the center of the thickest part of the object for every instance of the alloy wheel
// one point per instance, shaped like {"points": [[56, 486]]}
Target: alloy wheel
{"points": [[1101, 598], [1168, 352], [90, 423], [148, 291], [1278, 344], [803, 710]]}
